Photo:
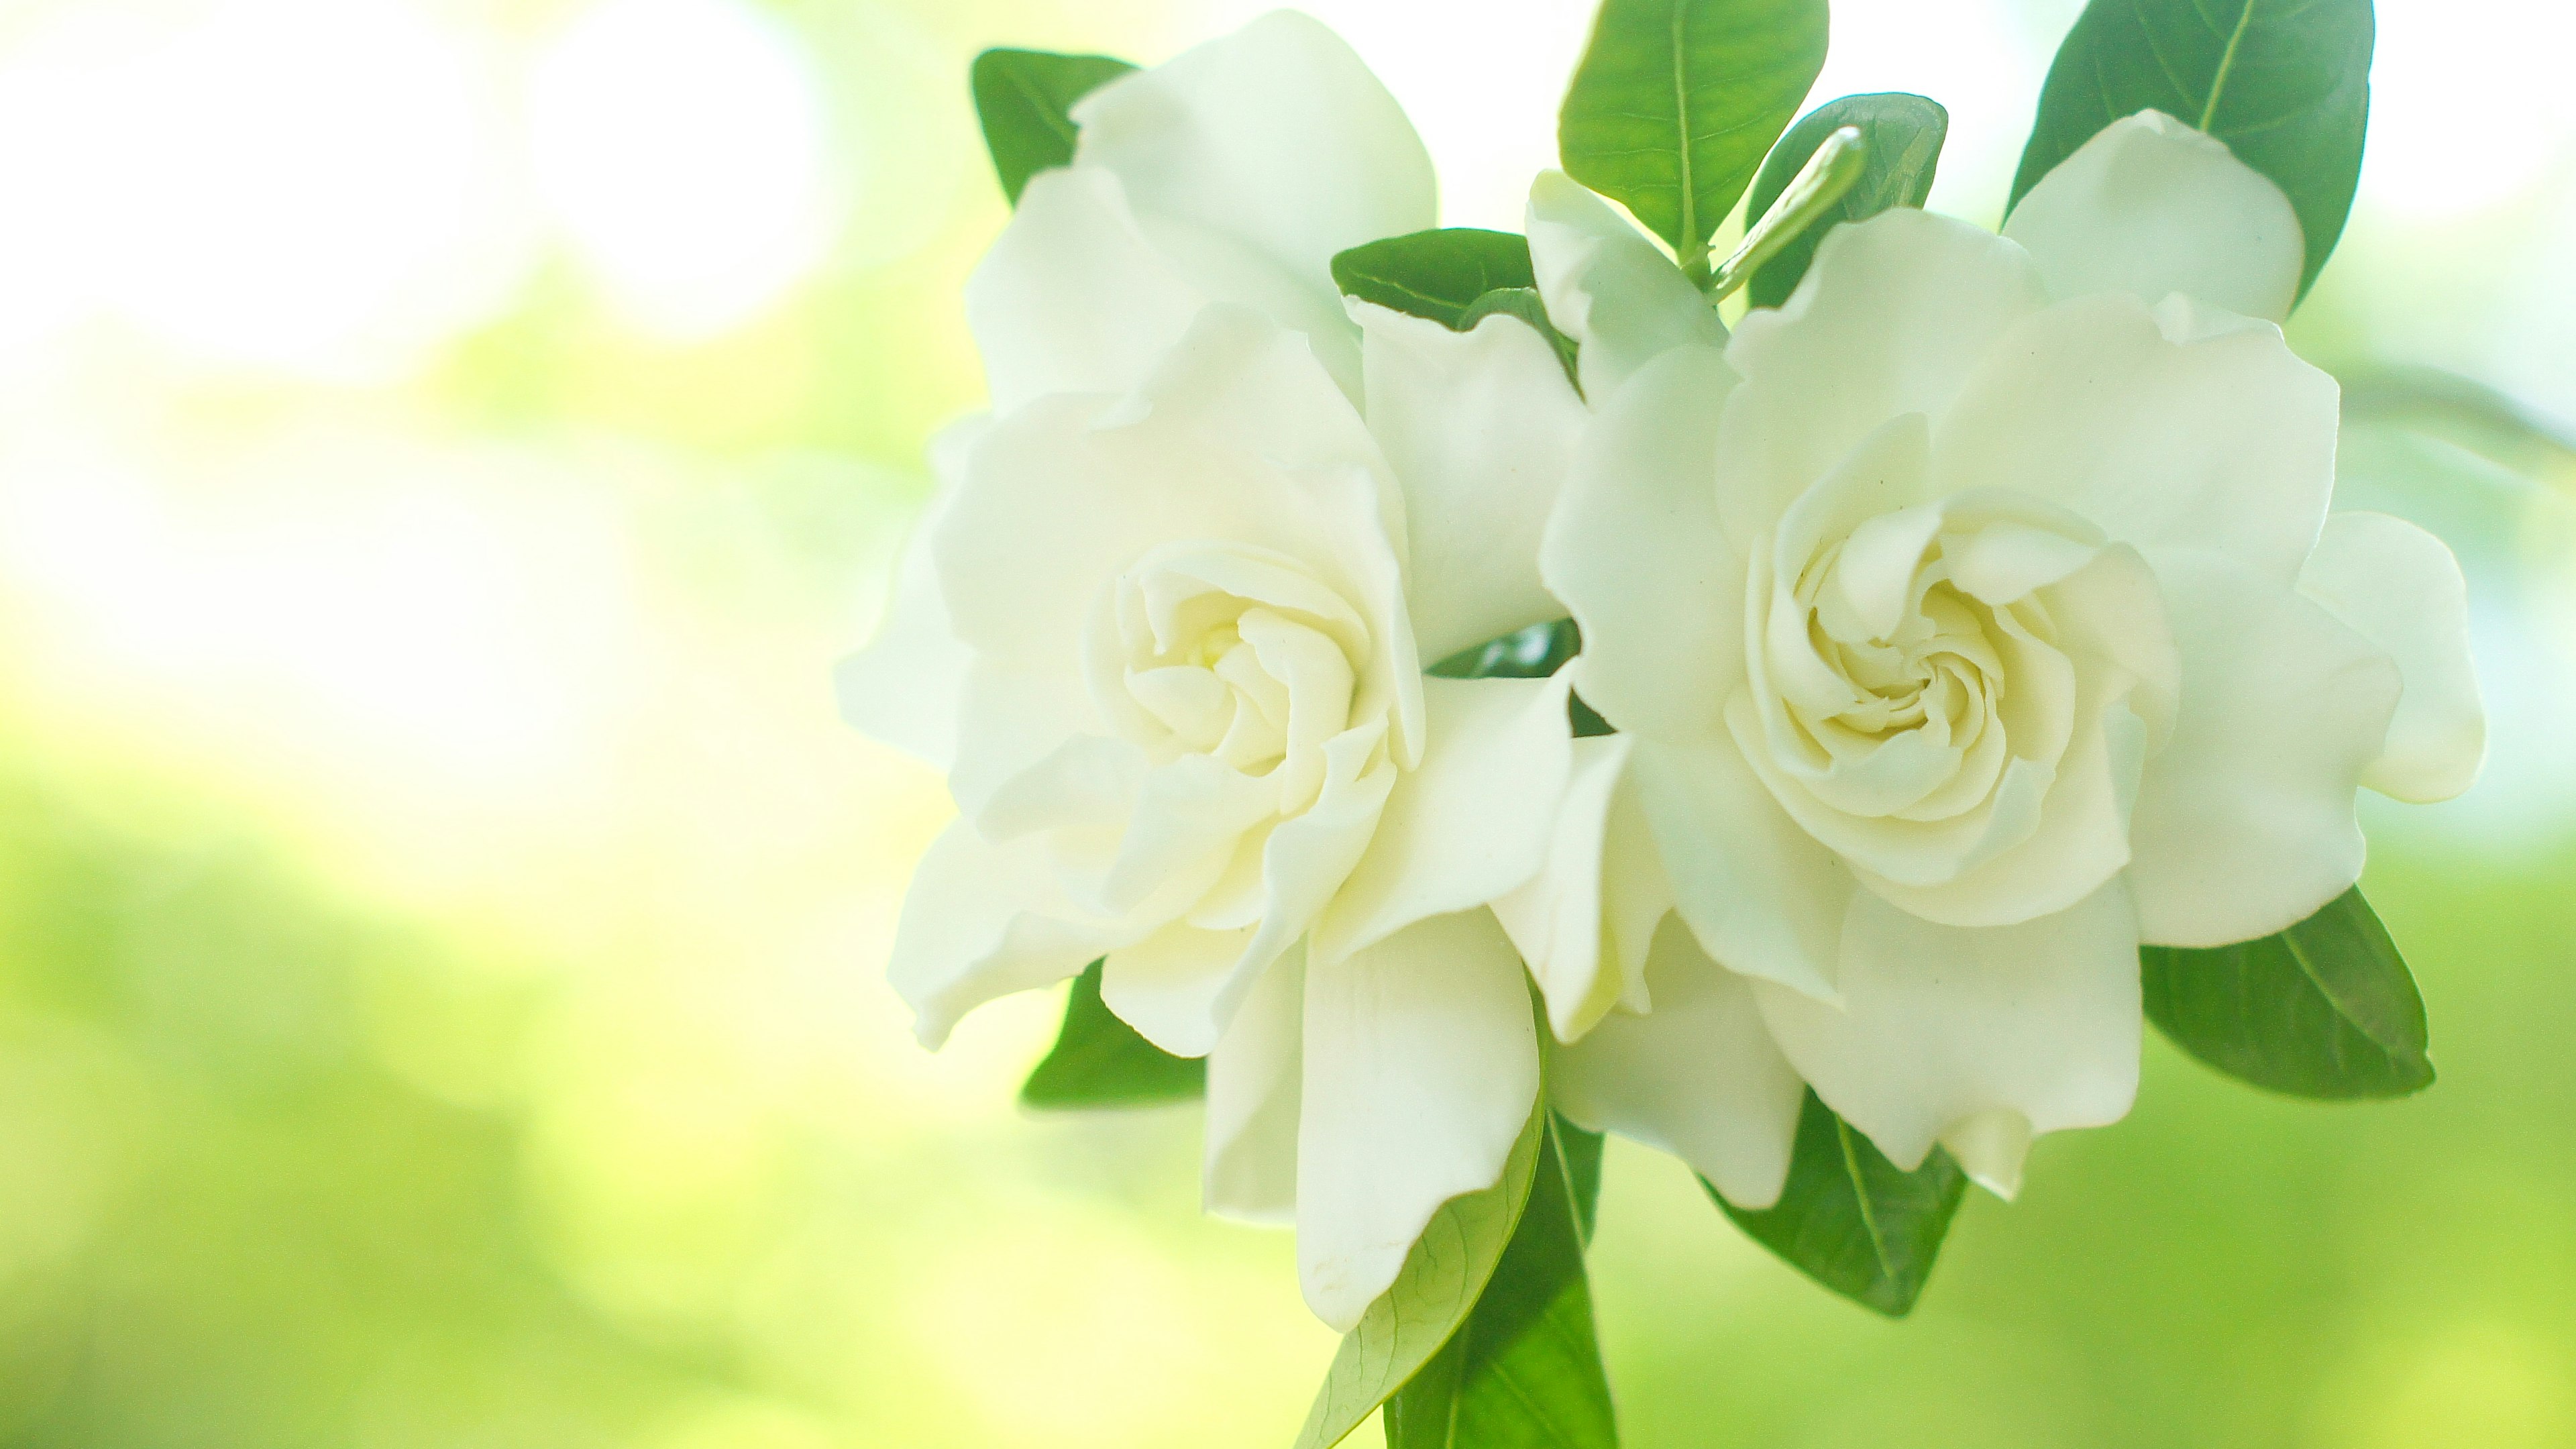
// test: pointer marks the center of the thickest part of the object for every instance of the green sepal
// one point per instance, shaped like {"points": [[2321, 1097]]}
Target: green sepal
{"points": [[2323, 1009], [1435, 274], [1675, 102], [2287, 87], [1443, 1276], [1100, 1061], [1524, 1371], [1850, 1219], [1903, 134], [1024, 98]]}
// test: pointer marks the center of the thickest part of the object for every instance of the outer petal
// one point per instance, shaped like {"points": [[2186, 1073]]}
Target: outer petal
{"points": [[2399, 587], [1253, 1081], [1940, 1025], [1480, 428], [1585, 921], [2150, 206], [905, 686], [2162, 432], [981, 922], [1472, 822], [1608, 288], [2245, 822], [1761, 894], [1699, 1077], [1891, 318], [1636, 554], [1073, 297], [1421, 1066], [1254, 158]]}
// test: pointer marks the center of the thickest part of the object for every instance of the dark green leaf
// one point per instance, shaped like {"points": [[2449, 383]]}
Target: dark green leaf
{"points": [[1676, 100], [1100, 1061], [1433, 1293], [1524, 1371], [1850, 1220], [2285, 83], [1435, 274], [1903, 133], [1024, 98], [2324, 1009], [1524, 303]]}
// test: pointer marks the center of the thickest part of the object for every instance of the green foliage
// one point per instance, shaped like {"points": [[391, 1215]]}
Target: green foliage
{"points": [[2324, 1009], [1850, 1220], [1903, 134], [1437, 274], [1533, 653], [1024, 98], [1442, 1278], [1100, 1061], [1676, 100], [2286, 86], [1524, 1371]]}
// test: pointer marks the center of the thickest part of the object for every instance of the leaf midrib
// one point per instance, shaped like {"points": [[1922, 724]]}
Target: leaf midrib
{"points": [[1860, 1195], [2226, 64], [1682, 123]]}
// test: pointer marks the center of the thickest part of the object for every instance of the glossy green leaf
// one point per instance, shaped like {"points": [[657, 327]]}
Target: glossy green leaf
{"points": [[1100, 1061], [1024, 99], [1435, 274], [1676, 100], [1532, 653], [2285, 83], [1442, 1278], [1850, 1220], [1524, 1371], [2324, 1009], [1903, 134]]}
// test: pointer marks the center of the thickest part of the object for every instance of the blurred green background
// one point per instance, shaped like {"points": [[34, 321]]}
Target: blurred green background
{"points": [[444, 444]]}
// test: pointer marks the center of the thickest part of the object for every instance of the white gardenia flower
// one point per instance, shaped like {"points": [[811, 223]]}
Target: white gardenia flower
{"points": [[1971, 619], [1165, 623]]}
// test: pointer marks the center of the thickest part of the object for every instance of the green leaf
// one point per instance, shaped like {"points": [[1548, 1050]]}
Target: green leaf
{"points": [[1100, 1061], [2324, 1009], [1435, 274], [1850, 1220], [1676, 100], [1532, 653], [2285, 83], [1433, 1293], [1025, 99], [1903, 133], [1524, 1371], [1583, 1169]]}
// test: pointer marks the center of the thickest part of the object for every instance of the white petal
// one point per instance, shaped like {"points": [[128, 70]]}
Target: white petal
{"points": [[2161, 432], [1253, 1082], [1471, 822], [2150, 206], [905, 686], [1891, 318], [1990, 1148], [1608, 288], [1167, 985], [1073, 297], [980, 922], [1761, 894], [1940, 1024], [1421, 1066], [2245, 821], [1480, 428], [1583, 923], [1635, 552], [1699, 1077], [2399, 587], [1255, 157]]}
